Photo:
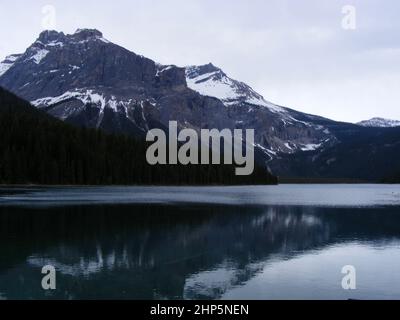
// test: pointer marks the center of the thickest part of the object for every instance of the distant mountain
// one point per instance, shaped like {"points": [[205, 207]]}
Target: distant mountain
{"points": [[35, 148], [86, 80], [363, 154], [379, 123]]}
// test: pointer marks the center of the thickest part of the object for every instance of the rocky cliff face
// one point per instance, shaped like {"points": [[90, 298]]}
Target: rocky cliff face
{"points": [[86, 80]]}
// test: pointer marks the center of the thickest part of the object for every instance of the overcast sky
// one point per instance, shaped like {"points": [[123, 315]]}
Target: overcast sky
{"points": [[295, 53]]}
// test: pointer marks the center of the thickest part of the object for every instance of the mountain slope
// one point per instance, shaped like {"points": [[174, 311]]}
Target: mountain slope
{"points": [[211, 81], [36, 148], [278, 129]]}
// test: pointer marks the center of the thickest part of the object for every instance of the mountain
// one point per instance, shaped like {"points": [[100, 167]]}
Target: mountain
{"points": [[379, 123], [36, 148], [363, 154], [278, 129], [86, 80]]}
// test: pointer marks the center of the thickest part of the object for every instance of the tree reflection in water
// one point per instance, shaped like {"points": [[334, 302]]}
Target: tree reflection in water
{"points": [[172, 252]]}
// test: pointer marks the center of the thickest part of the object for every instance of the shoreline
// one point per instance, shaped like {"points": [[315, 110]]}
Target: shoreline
{"points": [[12, 186]]}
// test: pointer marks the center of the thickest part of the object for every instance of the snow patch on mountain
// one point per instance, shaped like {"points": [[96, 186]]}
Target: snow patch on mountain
{"points": [[8, 62], [85, 96], [211, 81], [48, 101], [206, 85], [311, 147], [39, 55], [161, 69], [4, 67], [379, 123], [95, 99], [55, 44]]}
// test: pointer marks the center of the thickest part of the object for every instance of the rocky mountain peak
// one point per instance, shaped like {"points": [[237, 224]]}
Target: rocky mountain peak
{"points": [[87, 34], [50, 36], [206, 69]]}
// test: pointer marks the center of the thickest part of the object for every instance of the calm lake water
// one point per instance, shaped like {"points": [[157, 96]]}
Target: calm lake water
{"points": [[284, 242]]}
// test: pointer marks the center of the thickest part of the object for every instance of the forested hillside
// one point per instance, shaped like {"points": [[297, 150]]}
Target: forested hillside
{"points": [[38, 149]]}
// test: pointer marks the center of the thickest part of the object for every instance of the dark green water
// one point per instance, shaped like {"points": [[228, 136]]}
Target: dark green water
{"points": [[196, 249]]}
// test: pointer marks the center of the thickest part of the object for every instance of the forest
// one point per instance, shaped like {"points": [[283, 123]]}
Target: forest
{"points": [[36, 148]]}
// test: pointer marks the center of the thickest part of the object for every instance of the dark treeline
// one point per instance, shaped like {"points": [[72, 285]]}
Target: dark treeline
{"points": [[38, 149], [395, 178]]}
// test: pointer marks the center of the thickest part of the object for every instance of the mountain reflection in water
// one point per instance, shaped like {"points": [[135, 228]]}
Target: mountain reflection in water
{"points": [[174, 252]]}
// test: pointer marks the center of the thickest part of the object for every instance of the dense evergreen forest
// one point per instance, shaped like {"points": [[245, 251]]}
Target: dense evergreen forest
{"points": [[38, 149]]}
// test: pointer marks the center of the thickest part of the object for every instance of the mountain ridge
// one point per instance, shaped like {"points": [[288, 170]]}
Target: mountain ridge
{"points": [[88, 81], [137, 94]]}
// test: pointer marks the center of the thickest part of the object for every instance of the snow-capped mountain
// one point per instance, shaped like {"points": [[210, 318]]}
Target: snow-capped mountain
{"points": [[84, 79], [379, 123], [286, 128], [209, 80]]}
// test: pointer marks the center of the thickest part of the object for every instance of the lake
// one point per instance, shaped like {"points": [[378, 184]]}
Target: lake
{"points": [[252, 242]]}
